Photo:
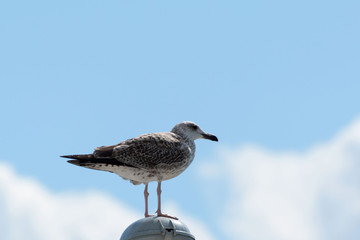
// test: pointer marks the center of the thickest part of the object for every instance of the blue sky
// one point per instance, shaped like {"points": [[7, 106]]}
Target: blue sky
{"points": [[280, 75]]}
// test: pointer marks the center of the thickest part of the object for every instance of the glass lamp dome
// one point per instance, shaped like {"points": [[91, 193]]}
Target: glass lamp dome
{"points": [[157, 228]]}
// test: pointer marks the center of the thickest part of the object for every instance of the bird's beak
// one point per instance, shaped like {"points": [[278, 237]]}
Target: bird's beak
{"points": [[209, 136]]}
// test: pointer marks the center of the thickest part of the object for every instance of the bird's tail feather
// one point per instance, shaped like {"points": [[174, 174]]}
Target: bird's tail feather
{"points": [[89, 161], [81, 159], [80, 156]]}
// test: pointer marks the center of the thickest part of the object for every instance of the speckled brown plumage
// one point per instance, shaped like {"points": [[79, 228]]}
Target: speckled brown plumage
{"points": [[151, 151]]}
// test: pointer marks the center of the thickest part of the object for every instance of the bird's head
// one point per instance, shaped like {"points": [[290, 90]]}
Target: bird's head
{"points": [[192, 131]]}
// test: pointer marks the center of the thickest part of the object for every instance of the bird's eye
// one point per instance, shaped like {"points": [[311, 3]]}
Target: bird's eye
{"points": [[194, 127]]}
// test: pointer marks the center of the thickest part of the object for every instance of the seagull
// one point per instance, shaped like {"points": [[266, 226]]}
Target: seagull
{"points": [[149, 157]]}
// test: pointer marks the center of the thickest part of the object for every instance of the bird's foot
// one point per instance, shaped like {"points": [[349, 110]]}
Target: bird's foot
{"points": [[160, 214], [148, 215]]}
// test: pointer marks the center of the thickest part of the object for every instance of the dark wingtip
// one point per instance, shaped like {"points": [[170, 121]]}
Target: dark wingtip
{"points": [[75, 162], [79, 156]]}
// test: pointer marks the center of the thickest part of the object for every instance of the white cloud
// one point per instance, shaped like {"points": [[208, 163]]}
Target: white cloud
{"points": [[29, 211], [313, 195]]}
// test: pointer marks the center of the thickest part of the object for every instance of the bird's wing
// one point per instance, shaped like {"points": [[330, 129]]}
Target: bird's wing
{"points": [[148, 151], [104, 151]]}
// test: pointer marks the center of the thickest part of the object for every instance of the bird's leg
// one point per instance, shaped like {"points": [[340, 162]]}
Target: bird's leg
{"points": [[146, 195], [158, 190], [159, 213]]}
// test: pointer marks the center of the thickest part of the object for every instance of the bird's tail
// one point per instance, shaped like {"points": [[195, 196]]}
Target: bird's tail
{"points": [[89, 161], [80, 159]]}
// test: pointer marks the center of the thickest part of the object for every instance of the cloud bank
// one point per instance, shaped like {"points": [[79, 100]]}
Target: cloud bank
{"points": [[312, 195], [29, 211]]}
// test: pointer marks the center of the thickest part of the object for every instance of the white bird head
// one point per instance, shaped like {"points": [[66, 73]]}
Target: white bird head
{"points": [[192, 131]]}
